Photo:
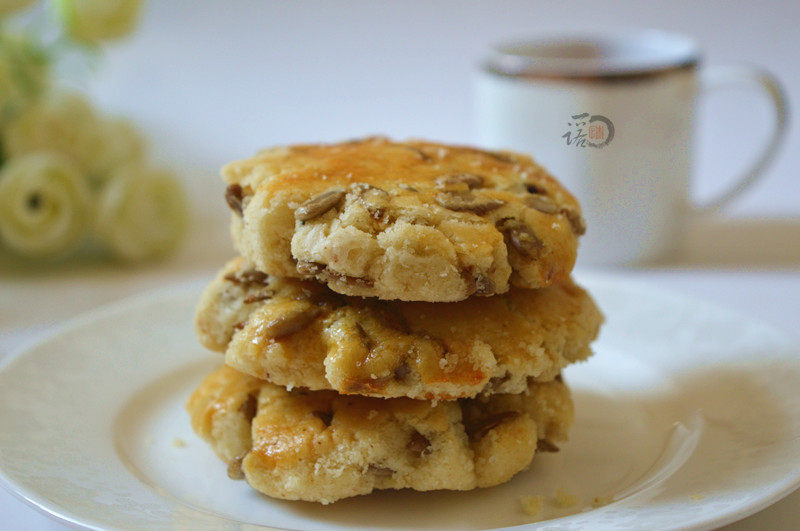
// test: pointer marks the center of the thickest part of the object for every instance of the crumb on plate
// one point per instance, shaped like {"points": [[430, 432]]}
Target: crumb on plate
{"points": [[564, 499], [600, 501], [532, 505]]}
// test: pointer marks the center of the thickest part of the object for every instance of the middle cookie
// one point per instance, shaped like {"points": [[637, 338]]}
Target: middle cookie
{"points": [[301, 334]]}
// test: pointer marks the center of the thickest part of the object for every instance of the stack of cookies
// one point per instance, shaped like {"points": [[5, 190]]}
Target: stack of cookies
{"points": [[399, 317]]}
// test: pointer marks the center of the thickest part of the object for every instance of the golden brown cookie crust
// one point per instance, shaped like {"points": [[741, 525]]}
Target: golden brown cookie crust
{"points": [[403, 220], [321, 446], [300, 334]]}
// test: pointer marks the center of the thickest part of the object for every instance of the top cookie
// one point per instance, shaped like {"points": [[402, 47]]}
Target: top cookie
{"points": [[413, 221]]}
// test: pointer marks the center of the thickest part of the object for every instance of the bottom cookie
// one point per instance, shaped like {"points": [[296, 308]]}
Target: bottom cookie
{"points": [[321, 446]]}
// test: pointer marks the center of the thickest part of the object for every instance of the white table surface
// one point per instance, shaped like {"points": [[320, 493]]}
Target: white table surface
{"points": [[210, 81]]}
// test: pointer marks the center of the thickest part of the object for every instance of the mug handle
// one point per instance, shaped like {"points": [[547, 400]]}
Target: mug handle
{"points": [[715, 77]]}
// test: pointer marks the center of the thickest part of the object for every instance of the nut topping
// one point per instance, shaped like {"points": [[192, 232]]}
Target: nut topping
{"points": [[466, 201], [502, 157], [374, 199], [543, 445], [249, 407], [318, 205], [418, 445], [535, 189], [309, 268], [367, 386], [469, 179], [258, 297], [477, 283], [497, 381], [325, 416], [496, 155], [325, 274], [235, 468], [484, 285], [329, 275], [576, 221], [381, 471], [492, 422], [247, 277], [366, 340], [401, 372], [288, 323], [542, 203], [521, 237], [234, 196], [421, 154]]}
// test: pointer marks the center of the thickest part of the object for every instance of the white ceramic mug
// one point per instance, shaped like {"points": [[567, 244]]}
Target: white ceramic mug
{"points": [[612, 118]]}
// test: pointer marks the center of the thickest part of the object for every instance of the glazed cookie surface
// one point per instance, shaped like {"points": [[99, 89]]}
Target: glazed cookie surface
{"points": [[413, 220], [321, 446], [299, 333]]}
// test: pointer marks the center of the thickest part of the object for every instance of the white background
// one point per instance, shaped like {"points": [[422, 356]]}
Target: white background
{"points": [[213, 81]]}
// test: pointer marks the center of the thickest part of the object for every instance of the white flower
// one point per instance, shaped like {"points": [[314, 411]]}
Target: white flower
{"points": [[66, 123], [45, 205], [92, 21], [142, 213], [9, 6], [119, 145]]}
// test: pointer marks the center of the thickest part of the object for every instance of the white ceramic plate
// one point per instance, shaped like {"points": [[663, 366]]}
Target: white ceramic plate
{"points": [[687, 417]]}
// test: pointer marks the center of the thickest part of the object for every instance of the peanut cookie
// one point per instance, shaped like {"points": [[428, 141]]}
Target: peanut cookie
{"points": [[300, 333], [321, 446], [414, 221]]}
